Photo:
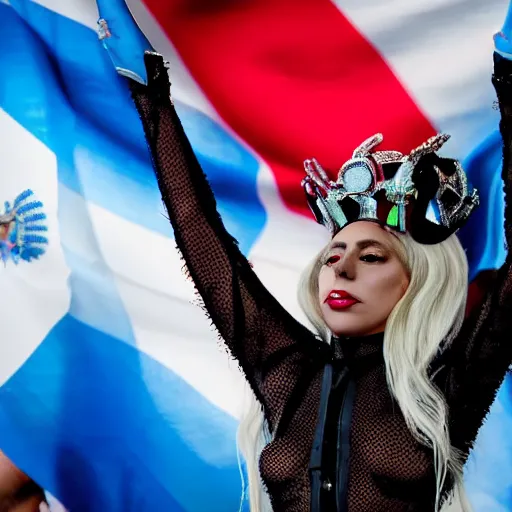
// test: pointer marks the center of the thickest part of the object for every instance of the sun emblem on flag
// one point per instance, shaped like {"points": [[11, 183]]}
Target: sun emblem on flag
{"points": [[22, 229]]}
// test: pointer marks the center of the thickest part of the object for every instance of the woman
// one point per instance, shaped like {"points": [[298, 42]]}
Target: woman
{"points": [[379, 410]]}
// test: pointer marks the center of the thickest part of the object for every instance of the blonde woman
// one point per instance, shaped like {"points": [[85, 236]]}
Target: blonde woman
{"points": [[378, 409]]}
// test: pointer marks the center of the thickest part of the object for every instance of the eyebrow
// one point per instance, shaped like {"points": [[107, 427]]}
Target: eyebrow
{"points": [[362, 244]]}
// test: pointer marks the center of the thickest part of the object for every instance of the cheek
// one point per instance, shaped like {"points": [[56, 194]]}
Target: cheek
{"points": [[388, 285], [325, 281]]}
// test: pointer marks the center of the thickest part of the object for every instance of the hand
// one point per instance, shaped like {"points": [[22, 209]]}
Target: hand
{"points": [[503, 39], [122, 38], [17, 492], [316, 181]]}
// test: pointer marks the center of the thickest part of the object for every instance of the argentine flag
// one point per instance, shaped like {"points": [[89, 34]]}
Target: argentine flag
{"points": [[114, 392]]}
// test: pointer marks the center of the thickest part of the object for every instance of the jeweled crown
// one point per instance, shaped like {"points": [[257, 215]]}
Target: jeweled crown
{"points": [[420, 193]]}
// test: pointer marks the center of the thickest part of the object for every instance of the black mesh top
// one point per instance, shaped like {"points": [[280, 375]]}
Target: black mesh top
{"points": [[285, 363]]}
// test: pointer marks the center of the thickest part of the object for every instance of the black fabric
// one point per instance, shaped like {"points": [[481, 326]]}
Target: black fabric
{"points": [[481, 354], [284, 363]]}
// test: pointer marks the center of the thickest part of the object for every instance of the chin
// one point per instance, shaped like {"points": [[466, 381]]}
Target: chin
{"points": [[349, 324]]}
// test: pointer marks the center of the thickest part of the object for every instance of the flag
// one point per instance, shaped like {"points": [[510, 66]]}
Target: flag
{"points": [[114, 392]]}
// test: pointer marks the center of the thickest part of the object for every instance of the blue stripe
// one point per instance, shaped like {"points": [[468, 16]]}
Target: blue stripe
{"points": [[82, 421], [490, 466], [483, 235], [67, 94]]}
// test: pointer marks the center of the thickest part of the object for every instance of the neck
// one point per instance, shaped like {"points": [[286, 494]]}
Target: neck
{"points": [[365, 338], [355, 348]]}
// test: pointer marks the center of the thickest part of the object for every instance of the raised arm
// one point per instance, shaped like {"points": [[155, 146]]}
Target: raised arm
{"points": [[248, 318], [482, 352], [259, 333]]}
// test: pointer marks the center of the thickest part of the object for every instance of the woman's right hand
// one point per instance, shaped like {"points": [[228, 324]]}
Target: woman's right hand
{"points": [[503, 39], [124, 41]]}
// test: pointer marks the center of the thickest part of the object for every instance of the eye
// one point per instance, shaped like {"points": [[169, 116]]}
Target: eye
{"points": [[332, 259], [371, 258]]}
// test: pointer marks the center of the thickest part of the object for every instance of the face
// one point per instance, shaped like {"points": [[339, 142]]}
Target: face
{"points": [[361, 280]]}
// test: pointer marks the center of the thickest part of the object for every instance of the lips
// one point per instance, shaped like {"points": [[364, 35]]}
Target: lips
{"points": [[340, 300]]}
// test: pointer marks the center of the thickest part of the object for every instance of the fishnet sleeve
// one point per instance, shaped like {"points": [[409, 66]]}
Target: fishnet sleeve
{"points": [[256, 329], [482, 352]]}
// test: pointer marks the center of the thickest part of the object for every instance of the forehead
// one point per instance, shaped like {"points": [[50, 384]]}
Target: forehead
{"points": [[363, 230]]}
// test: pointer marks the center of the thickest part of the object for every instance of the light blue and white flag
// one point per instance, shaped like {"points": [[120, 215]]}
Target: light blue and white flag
{"points": [[114, 394]]}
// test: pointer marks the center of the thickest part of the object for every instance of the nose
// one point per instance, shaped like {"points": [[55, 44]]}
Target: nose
{"points": [[346, 268]]}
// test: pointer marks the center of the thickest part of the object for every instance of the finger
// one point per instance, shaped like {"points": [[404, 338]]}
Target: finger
{"points": [[309, 188], [320, 170], [313, 174]]}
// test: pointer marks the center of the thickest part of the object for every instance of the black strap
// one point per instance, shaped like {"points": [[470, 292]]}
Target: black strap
{"points": [[315, 462], [343, 446]]}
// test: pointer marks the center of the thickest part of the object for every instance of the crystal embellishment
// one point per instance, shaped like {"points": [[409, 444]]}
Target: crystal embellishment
{"points": [[386, 186]]}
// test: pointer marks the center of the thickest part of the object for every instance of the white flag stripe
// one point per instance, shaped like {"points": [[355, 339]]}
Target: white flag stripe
{"points": [[34, 296], [158, 299], [442, 53], [279, 258], [81, 11]]}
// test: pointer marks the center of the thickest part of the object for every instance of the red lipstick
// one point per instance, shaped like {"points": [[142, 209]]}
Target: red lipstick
{"points": [[340, 300]]}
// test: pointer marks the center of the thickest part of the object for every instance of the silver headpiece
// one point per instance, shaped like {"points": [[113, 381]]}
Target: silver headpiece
{"points": [[421, 193]]}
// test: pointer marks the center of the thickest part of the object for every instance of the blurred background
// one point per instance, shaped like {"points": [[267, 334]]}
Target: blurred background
{"points": [[114, 392]]}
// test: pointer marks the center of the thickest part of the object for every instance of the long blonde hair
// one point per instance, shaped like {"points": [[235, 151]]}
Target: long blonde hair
{"points": [[429, 314]]}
